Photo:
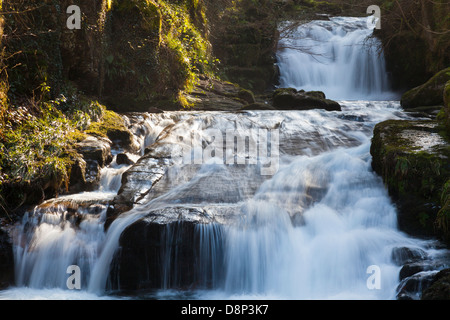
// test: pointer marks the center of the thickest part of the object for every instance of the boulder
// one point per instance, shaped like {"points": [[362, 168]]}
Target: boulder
{"points": [[155, 256], [96, 153], [175, 247], [78, 175], [211, 94], [418, 272], [291, 99], [404, 255], [122, 158], [412, 157], [439, 288], [95, 149], [427, 94], [411, 288], [246, 95]]}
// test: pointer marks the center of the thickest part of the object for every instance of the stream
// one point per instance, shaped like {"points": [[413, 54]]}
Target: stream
{"points": [[277, 204]]}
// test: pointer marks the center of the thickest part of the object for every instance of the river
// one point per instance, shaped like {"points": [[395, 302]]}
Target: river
{"points": [[298, 212]]}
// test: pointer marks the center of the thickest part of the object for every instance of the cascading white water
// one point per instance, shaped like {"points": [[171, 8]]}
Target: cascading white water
{"points": [[337, 56], [310, 231], [352, 227], [61, 233]]}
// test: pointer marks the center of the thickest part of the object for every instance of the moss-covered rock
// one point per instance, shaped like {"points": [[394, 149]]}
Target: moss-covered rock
{"points": [[211, 94], [428, 94], [246, 95], [412, 157], [112, 126], [291, 99]]}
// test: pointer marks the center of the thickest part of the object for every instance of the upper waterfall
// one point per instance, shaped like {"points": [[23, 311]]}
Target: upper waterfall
{"points": [[338, 56]]}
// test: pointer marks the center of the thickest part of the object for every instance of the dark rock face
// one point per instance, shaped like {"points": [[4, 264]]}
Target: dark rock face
{"points": [[175, 247], [418, 271], [439, 288], [6, 260], [122, 158], [291, 99]]}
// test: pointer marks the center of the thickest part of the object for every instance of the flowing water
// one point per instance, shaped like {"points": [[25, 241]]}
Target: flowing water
{"points": [[319, 226], [338, 57]]}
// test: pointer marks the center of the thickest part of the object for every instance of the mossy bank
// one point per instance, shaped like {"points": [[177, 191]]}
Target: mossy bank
{"points": [[413, 158]]}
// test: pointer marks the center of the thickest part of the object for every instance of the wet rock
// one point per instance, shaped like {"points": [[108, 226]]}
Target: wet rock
{"points": [[411, 269], [429, 93], [155, 110], [150, 258], [411, 287], [439, 288], [404, 255], [140, 178], [96, 149], [136, 184], [96, 153], [172, 247], [444, 115], [210, 94], [246, 95], [122, 158], [291, 99], [124, 139], [419, 272], [78, 175]]}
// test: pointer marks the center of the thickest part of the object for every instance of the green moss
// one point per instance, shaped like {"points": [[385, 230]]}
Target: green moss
{"points": [[108, 126], [413, 176], [428, 94]]}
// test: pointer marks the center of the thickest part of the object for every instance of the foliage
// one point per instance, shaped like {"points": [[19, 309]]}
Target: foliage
{"points": [[158, 49], [422, 25], [38, 147]]}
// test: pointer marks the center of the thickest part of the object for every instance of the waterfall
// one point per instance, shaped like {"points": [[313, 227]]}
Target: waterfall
{"points": [[338, 56], [63, 232], [322, 226], [327, 253]]}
